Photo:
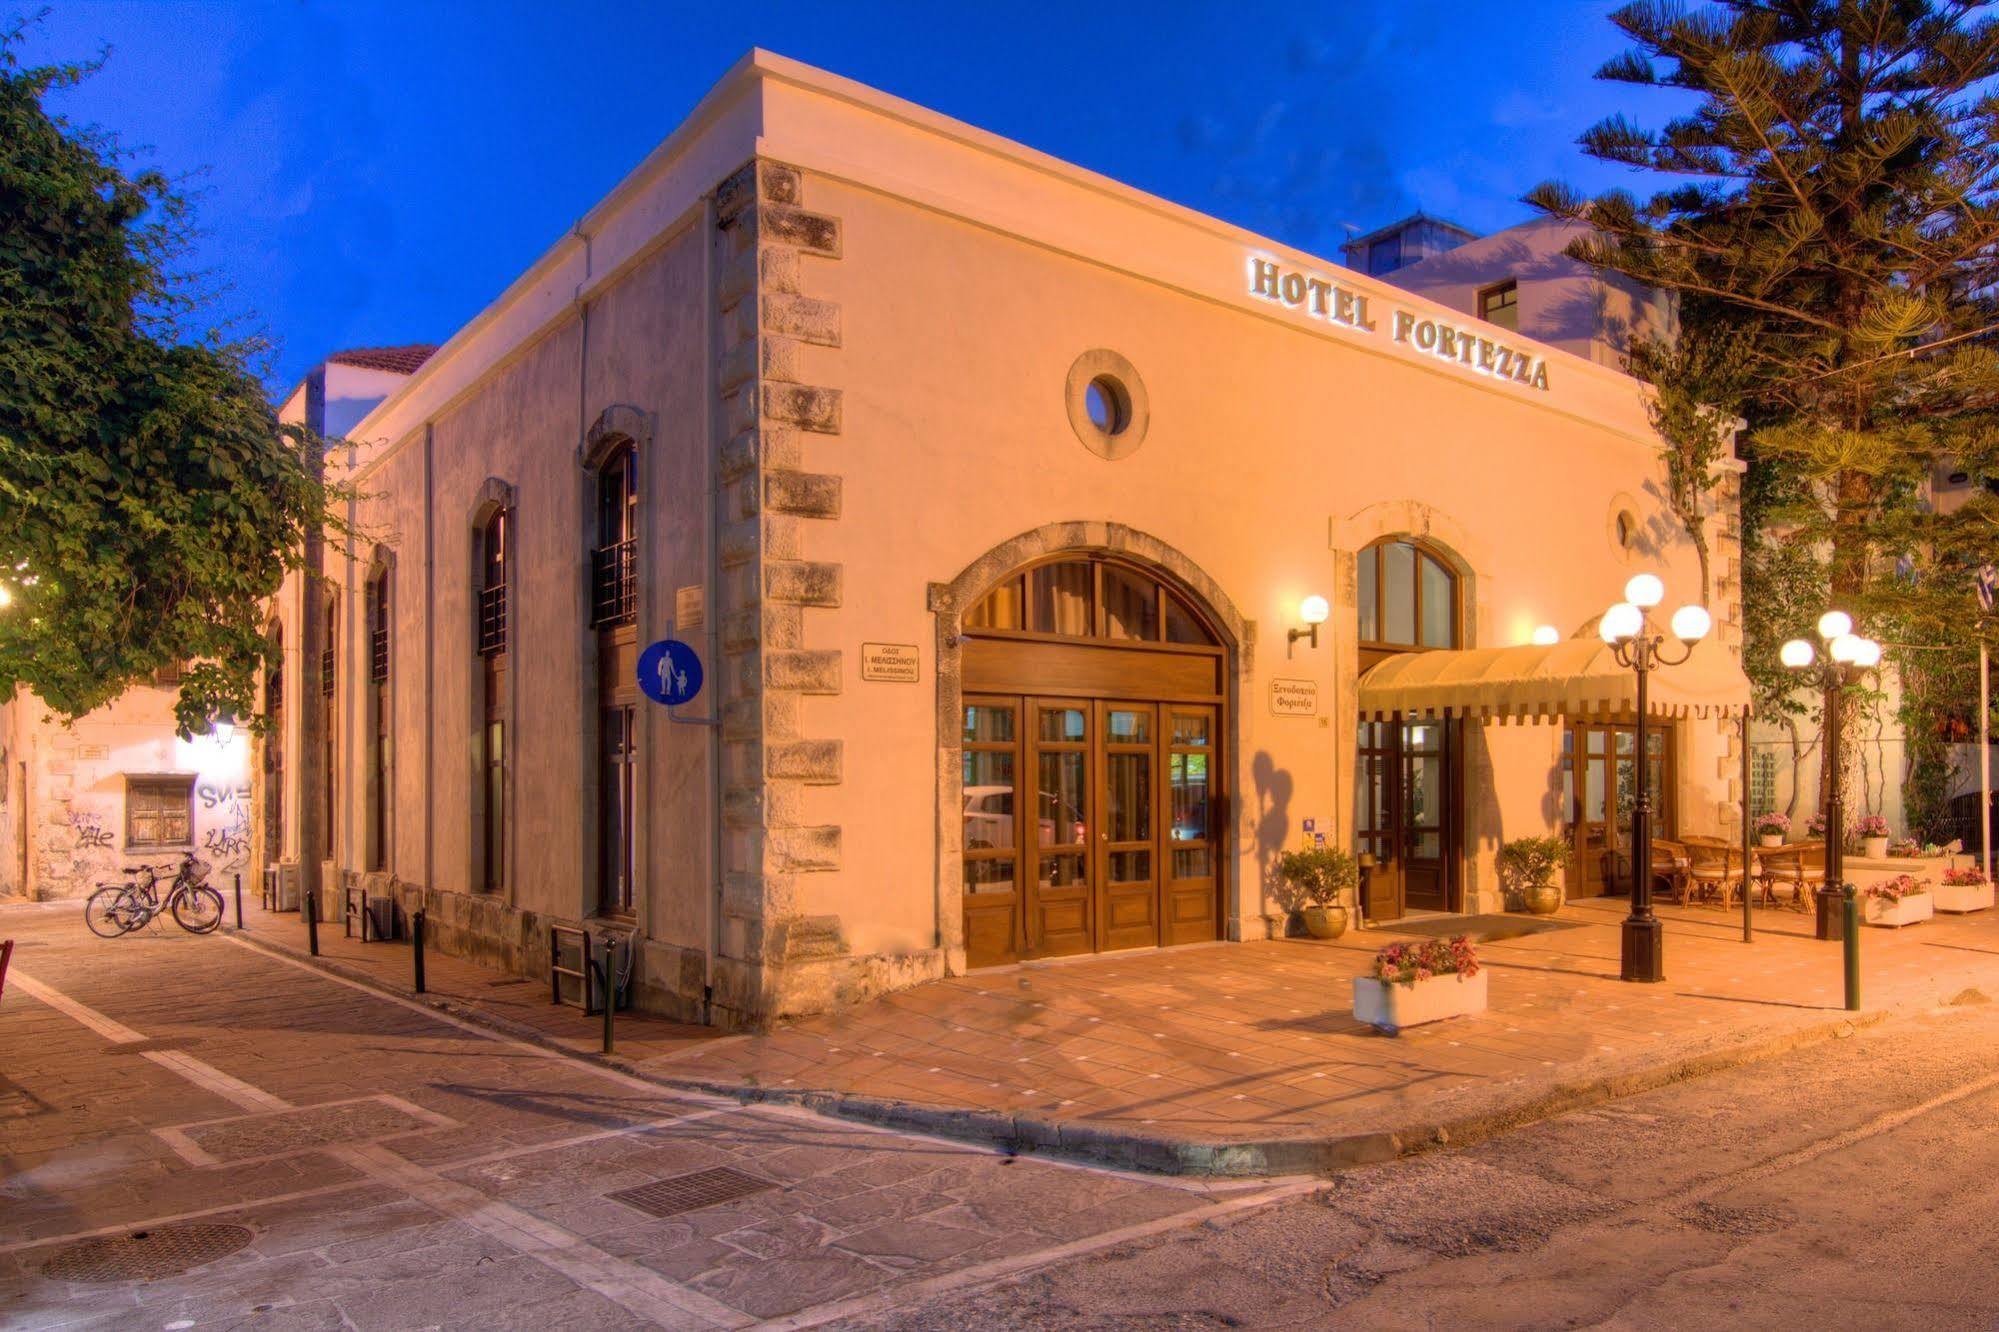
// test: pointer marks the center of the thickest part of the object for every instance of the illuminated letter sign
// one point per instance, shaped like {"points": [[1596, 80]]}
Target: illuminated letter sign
{"points": [[1469, 348]]}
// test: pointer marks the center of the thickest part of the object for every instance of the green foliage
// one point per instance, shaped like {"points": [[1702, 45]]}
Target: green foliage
{"points": [[1832, 232], [1531, 862], [149, 502], [1317, 875]]}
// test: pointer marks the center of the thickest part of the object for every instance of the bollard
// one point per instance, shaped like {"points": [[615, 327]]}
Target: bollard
{"points": [[416, 947], [1851, 945], [239, 900], [311, 904], [6, 952], [609, 971]]}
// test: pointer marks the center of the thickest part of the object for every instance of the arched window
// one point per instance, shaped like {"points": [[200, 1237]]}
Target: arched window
{"points": [[492, 550], [380, 773], [1406, 595], [1090, 597], [614, 561]]}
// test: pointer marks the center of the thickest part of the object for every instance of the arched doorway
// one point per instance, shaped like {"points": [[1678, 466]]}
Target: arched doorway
{"points": [[1409, 796], [1094, 710]]}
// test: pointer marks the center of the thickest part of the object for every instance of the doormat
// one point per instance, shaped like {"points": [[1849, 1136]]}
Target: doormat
{"points": [[1482, 929]]}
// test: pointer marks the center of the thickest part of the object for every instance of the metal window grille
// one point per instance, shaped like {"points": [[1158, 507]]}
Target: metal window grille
{"points": [[493, 620], [378, 655], [326, 660], [614, 595]]}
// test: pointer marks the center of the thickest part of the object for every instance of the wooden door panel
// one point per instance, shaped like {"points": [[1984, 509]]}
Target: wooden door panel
{"points": [[991, 841], [1061, 823], [1191, 823]]}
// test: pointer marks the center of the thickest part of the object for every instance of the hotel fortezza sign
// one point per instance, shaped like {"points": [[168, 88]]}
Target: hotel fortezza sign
{"points": [[1323, 298]]}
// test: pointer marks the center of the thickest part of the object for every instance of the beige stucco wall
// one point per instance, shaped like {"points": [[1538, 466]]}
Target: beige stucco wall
{"points": [[853, 360]]}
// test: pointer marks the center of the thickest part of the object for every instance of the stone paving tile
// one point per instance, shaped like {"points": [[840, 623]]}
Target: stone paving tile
{"points": [[1219, 1043]]}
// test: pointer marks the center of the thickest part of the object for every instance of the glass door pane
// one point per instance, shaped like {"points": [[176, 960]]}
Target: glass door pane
{"points": [[1061, 913], [991, 836]]}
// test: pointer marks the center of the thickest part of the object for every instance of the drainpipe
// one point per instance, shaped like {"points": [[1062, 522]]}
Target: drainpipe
{"points": [[712, 613], [429, 664]]}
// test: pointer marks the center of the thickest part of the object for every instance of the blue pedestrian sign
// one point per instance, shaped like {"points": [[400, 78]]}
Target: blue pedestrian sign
{"points": [[669, 672]]}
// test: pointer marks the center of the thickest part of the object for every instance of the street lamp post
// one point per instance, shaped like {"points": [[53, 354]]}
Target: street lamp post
{"points": [[1641, 648], [1846, 655]]}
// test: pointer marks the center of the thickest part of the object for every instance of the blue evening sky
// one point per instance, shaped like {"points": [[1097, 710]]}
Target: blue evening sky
{"points": [[376, 173]]}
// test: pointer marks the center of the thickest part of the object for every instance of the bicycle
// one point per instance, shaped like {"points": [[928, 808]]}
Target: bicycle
{"points": [[119, 908]]}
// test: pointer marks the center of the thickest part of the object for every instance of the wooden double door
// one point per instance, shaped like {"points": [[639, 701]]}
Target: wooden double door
{"points": [[1410, 798], [1089, 825], [1599, 794]]}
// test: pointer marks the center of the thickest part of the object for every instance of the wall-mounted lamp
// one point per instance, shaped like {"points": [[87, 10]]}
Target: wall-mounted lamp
{"points": [[1546, 635], [1314, 612], [224, 728]]}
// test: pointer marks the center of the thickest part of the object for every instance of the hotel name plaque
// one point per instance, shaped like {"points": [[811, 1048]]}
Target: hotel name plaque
{"points": [[894, 662], [1323, 298], [1294, 698]]}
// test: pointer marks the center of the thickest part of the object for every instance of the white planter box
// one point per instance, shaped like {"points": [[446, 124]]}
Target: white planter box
{"points": [[1393, 1007], [1874, 848], [1962, 896], [1908, 911]]}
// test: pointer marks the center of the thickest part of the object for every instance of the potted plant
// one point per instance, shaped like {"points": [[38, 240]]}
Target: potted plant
{"points": [[1318, 876], [1772, 828], [1906, 848], [1964, 889], [1413, 983], [1528, 867], [1872, 830], [1902, 900], [1815, 826]]}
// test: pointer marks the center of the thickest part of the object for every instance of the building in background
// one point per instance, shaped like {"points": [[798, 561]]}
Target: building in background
{"points": [[1056, 557], [1521, 280], [117, 787]]}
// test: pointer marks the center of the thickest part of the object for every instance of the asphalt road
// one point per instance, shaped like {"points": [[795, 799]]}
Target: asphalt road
{"points": [[1854, 1184], [383, 1166]]}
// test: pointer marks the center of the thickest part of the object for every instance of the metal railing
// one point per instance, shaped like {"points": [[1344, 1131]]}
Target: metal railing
{"points": [[614, 588], [378, 656], [493, 620]]}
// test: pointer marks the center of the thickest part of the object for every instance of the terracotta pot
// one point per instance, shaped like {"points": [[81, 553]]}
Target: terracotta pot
{"points": [[1325, 922], [1543, 899], [1769, 839]]}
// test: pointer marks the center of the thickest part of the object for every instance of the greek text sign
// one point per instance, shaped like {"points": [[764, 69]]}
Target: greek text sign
{"points": [[1294, 698], [896, 662], [1465, 346]]}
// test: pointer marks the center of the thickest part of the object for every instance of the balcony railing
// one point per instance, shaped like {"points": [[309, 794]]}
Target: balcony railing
{"points": [[614, 586], [492, 620]]}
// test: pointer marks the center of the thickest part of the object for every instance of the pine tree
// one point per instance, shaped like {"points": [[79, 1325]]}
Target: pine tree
{"points": [[1832, 232]]}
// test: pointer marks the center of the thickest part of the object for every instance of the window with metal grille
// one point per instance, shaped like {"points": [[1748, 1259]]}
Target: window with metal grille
{"points": [[159, 812], [1762, 782], [493, 585], [169, 675], [614, 563], [378, 627]]}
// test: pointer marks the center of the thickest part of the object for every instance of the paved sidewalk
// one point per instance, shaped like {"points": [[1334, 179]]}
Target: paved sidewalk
{"points": [[519, 1007], [1245, 1059]]}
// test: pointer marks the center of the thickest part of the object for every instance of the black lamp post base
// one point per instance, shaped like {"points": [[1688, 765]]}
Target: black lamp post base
{"points": [[1831, 914], [1644, 950]]}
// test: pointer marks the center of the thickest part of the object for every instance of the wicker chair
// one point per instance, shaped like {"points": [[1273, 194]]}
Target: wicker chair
{"points": [[1799, 866], [1669, 862], [1714, 870]]}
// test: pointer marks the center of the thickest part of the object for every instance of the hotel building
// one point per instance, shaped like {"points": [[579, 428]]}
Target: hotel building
{"points": [[1055, 557]]}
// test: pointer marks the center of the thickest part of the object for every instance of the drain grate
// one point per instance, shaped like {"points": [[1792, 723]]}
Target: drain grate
{"points": [[690, 1193], [145, 1255]]}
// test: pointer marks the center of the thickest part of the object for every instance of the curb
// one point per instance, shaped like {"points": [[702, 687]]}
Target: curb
{"points": [[1154, 1153]]}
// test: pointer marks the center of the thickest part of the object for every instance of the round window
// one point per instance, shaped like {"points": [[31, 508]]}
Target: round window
{"points": [[1108, 405]]}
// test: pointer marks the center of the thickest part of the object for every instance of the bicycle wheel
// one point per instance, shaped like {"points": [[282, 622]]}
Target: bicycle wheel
{"points": [[109, 914], [199, 910]]}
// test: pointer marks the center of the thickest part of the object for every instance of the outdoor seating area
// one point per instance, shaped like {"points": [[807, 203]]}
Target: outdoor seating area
{"points": [[1707, 871]]}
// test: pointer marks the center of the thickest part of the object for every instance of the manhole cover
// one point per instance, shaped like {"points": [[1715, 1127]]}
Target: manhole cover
{"points": [[144, 1255], [689, 1193]]}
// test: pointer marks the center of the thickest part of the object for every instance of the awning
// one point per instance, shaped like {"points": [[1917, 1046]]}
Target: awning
{"points": [[1576, 678]]}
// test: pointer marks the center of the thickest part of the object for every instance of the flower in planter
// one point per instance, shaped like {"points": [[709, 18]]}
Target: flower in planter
{"points": [[1894, 890], [1871, 825], [1405, 964], [1773, 824], [1969, 877], [1815, 827], [1908, 847]]}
